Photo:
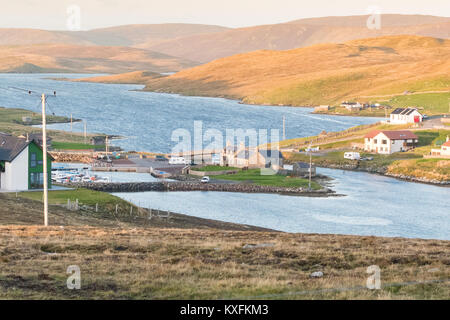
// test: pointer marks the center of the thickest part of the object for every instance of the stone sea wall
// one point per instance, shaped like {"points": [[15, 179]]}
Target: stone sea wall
{"points": [[196, 186]]}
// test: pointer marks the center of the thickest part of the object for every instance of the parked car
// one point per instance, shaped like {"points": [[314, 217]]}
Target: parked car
{"points": [[160, 158], [366, 159], [205, 179], [352, 156]]}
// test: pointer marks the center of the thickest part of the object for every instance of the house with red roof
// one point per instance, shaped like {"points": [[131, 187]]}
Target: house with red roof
{"points": [[444, 151], [387, 142]]}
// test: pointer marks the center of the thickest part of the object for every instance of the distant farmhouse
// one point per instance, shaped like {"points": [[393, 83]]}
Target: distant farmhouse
{"points": [[351, 105], [387, 142], [405, 115], [21, 166], [245, 157], [444, 151]]}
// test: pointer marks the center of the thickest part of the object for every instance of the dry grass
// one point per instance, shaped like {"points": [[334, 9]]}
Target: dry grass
{"points": [[191, 264], [320, 74]]}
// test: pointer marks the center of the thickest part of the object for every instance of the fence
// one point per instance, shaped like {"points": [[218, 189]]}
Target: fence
{"points": [[117, 211]]}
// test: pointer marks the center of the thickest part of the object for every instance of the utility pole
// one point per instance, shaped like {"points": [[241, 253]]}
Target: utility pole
{"points": [[85, 131], [71, 125], [310, 166], [284, 127], [44, 150]]}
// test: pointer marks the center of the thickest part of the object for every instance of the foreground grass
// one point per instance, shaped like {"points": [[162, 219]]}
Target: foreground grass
{"points": [[84, 196], [138, 263], [254, 176]]}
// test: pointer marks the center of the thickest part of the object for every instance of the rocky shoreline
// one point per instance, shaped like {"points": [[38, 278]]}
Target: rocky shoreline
{"points": [[196, 186]]}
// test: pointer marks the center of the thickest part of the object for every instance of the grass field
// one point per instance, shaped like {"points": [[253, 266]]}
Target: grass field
{"points": [[254, 176], [11, 122], [428, 103], [139, 263], [132, 257]]}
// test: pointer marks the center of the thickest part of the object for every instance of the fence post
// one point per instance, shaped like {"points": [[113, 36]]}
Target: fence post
{"points": [[96, 207], [131, 210], [68, 204], [117, 208], [76, 204]]}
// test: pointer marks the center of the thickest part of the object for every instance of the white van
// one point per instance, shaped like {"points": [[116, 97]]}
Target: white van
{"points": [[177, 160], [352, 155]]}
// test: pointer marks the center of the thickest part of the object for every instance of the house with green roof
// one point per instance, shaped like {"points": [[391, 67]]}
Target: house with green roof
{"points": [[21, 164]]}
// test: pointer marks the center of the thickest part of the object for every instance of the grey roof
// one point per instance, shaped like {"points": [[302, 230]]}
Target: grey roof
{"points": [[404, 111], [11, 147]]}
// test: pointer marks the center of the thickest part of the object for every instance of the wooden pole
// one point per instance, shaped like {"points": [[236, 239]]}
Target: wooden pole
{"points": [[310, 166], [44, 150], [85, 131]]}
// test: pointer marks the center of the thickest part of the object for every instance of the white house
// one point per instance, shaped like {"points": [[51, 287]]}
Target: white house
{"points": [[444, 151], [250, 157], [387, 142], [405, 115], [351, 105], [21, 164]]}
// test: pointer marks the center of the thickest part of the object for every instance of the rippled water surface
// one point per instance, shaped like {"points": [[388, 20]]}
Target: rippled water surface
{"points": [[148, 119]]}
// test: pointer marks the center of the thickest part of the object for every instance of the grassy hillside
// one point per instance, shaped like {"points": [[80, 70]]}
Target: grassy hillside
{"points": [[320, 74], [299, 33], [88, 59]]}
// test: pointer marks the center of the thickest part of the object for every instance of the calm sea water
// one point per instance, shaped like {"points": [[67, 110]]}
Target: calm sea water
{"points": [[148, 119], [373, 205]]}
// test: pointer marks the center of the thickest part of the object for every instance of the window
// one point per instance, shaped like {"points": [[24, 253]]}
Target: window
{"points": [[384, 141], [375, 141], [33, 160], [36, 180]]}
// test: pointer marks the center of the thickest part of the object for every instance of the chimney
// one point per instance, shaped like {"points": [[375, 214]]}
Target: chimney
{"points": [[28, 139]]}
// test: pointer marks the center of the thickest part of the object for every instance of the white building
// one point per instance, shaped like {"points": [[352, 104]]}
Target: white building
{"points": [[444, 151], [21, 166], [405, 115], [351, 105], [387, 142]]}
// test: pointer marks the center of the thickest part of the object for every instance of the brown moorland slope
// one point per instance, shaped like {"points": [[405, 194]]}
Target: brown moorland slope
{"points": [[296, 34], [127, 35], [326, 73], [86, 59]]}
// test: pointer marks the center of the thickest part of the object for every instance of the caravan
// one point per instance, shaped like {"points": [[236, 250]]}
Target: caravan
{"points": [[352, 155]]}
